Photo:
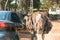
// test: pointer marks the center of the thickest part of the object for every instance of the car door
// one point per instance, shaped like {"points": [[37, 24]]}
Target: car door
{"points": [[15, 19]]}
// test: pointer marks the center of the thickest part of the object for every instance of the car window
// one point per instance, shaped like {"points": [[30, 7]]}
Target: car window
{"points": [[21, 17], [15, 18], [3, 15]]}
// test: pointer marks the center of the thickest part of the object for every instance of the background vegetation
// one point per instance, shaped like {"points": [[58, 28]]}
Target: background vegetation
{"points": [[25, 4]]}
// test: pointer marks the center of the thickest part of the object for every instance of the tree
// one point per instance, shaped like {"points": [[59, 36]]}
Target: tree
{"points": [[0, 4], [24, 5], [6, 3], [3, 4]]}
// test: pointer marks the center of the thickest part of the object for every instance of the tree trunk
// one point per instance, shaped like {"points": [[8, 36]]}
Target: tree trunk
{"points": [[0, 6], [6, 5]]}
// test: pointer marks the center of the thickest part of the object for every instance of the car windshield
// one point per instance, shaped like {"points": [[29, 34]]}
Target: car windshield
{"points": [[3, 15]]}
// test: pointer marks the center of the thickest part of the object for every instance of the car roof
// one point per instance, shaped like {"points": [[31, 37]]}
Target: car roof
{"points": [[8, 11], [5, 11]]}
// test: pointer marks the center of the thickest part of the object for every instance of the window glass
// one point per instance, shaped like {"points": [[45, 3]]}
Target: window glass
{"points": [[3, 15], [14, 17]]}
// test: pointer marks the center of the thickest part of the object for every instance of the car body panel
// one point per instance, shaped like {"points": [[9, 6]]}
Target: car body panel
{"points": [[8, 17]]}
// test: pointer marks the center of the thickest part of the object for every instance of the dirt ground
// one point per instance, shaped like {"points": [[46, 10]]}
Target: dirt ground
{"points": [[54, 34]]}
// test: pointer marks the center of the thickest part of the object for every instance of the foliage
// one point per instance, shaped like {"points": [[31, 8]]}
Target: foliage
{"points": [[13, 5], [43, 6], [59, 5]]}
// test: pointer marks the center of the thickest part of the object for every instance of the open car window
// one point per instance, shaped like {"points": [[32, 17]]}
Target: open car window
{"points": [[14, 17]]}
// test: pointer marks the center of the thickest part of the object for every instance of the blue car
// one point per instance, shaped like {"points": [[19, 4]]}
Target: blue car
{"points": [[8, 22]]}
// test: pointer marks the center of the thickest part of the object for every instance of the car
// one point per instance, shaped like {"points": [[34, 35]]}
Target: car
{"points": [[54, 14], [9, 21]]}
